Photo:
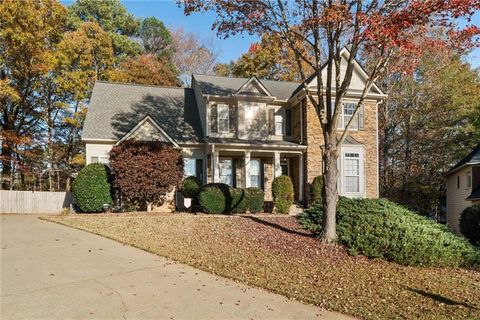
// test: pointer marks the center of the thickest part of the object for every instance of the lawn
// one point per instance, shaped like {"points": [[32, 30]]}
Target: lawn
{"points": [[272, 252]]}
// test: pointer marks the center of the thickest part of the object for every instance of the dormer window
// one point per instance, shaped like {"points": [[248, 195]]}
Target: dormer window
{"points": [[222, 118]]}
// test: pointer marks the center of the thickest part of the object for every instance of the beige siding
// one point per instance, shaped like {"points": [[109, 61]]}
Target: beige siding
{"points": [[456, 202], [97, 150]]}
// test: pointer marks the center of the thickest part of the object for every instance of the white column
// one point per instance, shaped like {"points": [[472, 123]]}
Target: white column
{"points": [[247, 169], [215, 167], [300, 177], [277, 167]]}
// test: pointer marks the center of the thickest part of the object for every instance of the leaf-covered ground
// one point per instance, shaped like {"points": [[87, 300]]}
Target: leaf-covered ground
{"points": [[272, 252]]}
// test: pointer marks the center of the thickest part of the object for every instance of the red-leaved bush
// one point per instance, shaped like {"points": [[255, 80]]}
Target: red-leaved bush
{"points": [[145, 171]]}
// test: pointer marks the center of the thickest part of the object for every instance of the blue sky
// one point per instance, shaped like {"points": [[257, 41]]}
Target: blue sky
{"points": [[201, 23]]}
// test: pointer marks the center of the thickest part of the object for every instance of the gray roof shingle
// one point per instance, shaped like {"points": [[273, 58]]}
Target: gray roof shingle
{"points": [[472, 158], [116, 108], [217, 85]]}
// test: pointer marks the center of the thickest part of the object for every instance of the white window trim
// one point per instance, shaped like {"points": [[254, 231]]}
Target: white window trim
{"points": [[342, 116], [468, 182], [282, 112], [223, 105], [361, 151], [259, 172], [106, 159], [282, 162], [220, 171], [194, 166]]}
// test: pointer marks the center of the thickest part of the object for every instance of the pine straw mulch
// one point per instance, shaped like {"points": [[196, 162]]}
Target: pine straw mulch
{"points": [[272, 252]]}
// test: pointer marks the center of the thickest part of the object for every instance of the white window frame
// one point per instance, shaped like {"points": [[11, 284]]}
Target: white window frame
{"points": [[219, 119], [259, 173], [100, 159], [342, 123], [281, 114], [220, 170], [188, 159], [468, 183], [342, 185]]}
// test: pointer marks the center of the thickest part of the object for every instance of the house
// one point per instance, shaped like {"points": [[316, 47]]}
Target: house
{"points": [[463, 187], [242, 132]]}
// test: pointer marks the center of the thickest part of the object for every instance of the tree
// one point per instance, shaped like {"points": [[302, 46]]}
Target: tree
{"points": [[192, 55], [113, 18], [156, 38], [324, 27], [145, 171], [146, 69], [29, 34]]}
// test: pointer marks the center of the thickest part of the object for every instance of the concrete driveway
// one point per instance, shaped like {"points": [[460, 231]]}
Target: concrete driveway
{"points": [[49, 271]]}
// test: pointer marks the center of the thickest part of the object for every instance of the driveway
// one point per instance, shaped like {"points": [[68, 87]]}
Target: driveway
{"points": [[49, 271]]}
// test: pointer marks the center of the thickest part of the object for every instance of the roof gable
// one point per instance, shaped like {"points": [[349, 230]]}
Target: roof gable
{"points": [[253, 87], [148, 130], [472, 158]]}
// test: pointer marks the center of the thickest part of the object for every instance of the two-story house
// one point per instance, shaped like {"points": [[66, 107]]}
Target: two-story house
{"points": [[242, 132], [463, 187]]}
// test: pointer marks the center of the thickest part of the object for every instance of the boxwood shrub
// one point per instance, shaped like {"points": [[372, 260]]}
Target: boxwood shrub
{"points": [[282, 191], [191, 187], [470, 224], [92, 188], [378, 228], [220, 198], [316, 190]]}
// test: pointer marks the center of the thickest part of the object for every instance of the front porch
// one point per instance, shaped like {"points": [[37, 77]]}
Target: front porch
{"points": [[255, 167]]}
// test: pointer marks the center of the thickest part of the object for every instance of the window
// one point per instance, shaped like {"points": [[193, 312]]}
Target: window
{"points": [[352, 172], [213, 119], [99, 159], [189, 168], [348, 109], [288, 122], [280, 122], [255, 175], [279, 118], [285, 168], [226, 171], [223, 118], [469, 179], [458, 182]]}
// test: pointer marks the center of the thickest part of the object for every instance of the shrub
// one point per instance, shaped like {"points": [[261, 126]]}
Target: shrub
{"points": [[191, 187], [379, 228], [316, 190], [92, 188], [470, 224], [215, 198], [282, 190], [239, 203], [255, 198], [145, 171]]}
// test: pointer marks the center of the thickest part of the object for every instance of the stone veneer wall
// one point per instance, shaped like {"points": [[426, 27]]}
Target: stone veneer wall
{"points": [[367, 136]]}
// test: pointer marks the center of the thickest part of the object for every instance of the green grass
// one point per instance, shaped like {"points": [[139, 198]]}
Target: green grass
{"points": [[274, 253]]}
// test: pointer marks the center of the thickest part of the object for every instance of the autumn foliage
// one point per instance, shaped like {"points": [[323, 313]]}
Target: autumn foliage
{"points": [[145, 171]]}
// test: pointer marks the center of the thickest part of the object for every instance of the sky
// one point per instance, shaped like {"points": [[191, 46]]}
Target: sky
{"points": [[201, 23]]}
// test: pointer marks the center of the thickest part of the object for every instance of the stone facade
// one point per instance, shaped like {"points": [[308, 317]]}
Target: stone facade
{"points": [[367, 137]]}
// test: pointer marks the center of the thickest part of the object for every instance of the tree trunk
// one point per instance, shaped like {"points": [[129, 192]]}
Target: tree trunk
{"points": [[329, 230]]}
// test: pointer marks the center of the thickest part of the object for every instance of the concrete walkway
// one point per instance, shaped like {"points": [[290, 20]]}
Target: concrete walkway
{"points": [[50, 271]]}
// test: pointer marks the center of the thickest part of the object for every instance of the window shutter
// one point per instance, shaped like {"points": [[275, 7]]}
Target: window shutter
{"points": [[288, 122], [361, 117], [199, 169], [213, 119], [271, 121], [232, 118]]}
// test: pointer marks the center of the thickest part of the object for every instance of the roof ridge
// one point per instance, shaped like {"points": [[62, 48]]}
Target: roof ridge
{"points": [[244, 78], [139, 85]]}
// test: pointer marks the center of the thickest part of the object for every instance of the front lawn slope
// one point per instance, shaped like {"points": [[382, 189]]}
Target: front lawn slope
{"points": [[274, 253]]}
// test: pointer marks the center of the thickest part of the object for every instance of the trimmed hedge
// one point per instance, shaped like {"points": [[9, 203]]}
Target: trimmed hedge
{"points": [[220, 198], [92, 188], [378, 228], [191, 187], [282, 190], [316, 191], [470, 224]]}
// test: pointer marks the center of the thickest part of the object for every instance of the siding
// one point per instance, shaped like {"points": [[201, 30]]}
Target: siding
{"points": [[456, 202], [97, 150]]}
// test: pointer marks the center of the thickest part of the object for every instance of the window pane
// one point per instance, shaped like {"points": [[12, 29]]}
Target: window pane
{"points": [[94, 159], [103, 160], [279, 123], [352, 167], [213, 118], [223, 117], [284, 167], [255, 181], [189, 168], [288, 122], [226, 171], [352, 184]]}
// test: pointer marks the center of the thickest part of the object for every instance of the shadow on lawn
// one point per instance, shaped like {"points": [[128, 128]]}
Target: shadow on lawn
{"points": [[277, 226], [440, 298]]}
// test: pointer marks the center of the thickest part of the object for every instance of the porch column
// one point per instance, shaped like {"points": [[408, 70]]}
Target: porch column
{"points": [[277, 167], [300, 177], [246, 157], [215, 167]]}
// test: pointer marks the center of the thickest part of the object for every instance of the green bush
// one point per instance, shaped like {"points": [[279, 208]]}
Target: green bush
{"points": [[220, 198], [282, 190], [92, 188], [191, 187], [316, 190], [382, 229], [470, 224], [255, 198], [213, 198]]}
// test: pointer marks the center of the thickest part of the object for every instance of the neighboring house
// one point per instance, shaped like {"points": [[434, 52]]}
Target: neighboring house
{"points": [[463, 187], [242, 132]]}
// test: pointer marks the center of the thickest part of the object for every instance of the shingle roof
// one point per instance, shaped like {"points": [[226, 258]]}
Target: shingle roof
{"points": [[217, 85], [473, 157], [116, 108]]}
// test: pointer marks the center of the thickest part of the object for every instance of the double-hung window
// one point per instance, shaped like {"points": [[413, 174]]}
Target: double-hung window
{"points": [[226, 171], [352, 172], [346, 113], [280, 122], [255, 174], [469, 179], [223, 118], [189, 168], [279, 125]]}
